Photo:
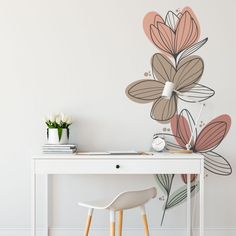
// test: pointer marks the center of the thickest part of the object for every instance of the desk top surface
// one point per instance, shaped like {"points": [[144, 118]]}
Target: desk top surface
{"points": [[150, 156]]}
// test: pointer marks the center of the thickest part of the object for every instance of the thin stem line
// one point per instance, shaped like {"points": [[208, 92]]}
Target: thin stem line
{"points": [[167, 199], [164, 212]]}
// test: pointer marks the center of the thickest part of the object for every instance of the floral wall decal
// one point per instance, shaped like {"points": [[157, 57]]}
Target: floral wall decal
{"points": [[173, 69], [184, 78], [176, 197], [176, 34], [175, 77], [204, 142]]}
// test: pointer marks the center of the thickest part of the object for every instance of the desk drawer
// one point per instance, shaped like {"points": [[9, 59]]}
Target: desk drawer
{"points": [[117, 166]]}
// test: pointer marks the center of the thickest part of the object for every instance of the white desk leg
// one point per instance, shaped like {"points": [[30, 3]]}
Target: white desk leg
{"points": [[201, 227], [45, 210], [188, 205], [33, 199]]}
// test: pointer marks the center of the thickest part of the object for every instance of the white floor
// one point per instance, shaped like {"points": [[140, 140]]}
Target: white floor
{"points": [[126, 232]]}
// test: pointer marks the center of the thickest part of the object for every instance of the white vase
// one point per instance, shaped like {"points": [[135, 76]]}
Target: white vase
{"points": [[53, 136]]}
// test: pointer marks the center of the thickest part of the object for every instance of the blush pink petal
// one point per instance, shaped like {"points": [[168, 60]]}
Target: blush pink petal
{"points": [[157, 19], [196, 24], [213, 133], [187, 35], [194, 36], [167, 36], [193, 16], [192, 178], [151, 18], [174, 125], [183, 129], [159, 39], [186, 32], [172, 42]]}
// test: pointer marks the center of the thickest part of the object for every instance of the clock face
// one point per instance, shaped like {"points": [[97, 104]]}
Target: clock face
{"points": [[158, 144]]}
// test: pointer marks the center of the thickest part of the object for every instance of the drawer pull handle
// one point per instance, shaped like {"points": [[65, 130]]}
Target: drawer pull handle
{"points": [[117, 166]]}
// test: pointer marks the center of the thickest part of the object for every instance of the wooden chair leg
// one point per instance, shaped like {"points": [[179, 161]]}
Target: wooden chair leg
{"points": [[88, 223], [145, 222], [120, 223], [112, 222]]}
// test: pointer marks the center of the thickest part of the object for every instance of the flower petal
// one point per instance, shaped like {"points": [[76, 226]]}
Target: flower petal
{"points": [[187, 32], [184, 177], [213, 133], [158, 38], [149, 19], [193, 16], [183, 126], [198, 93], [162, 68], [164, 109], [191, 49], [171, 20], [144, 91], [186, 127], [180, 195], [216, 164], [174, 125], [167, 36], [188, 73]]}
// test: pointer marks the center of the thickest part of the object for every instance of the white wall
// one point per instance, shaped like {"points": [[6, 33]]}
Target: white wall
{"points": [[78, 56]]}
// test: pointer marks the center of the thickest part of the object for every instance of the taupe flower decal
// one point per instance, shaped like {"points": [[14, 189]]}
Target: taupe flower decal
{"points": [[169, 84], [176, 74]]}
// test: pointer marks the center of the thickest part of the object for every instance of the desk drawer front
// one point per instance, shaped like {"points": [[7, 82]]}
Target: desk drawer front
{"points": [[162, 166]]}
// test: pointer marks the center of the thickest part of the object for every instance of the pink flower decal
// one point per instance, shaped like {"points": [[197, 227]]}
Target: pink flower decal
{"points": [[176, 75], [192, 178], [204, 142], [174, 34]]}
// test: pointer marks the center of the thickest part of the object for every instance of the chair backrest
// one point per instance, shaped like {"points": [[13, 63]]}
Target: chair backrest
{"points": [[131, 199]]}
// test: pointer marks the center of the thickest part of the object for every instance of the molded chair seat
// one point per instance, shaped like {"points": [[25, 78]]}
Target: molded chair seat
{"points": [[124, 200]]}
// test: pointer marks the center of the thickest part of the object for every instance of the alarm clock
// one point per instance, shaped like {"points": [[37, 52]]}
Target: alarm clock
{"points": [[158, 143]]}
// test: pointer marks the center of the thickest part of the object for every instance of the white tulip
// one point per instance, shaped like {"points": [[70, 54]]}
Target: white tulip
{"points": [[58, 120], [69, 120], [52, 118], [63, 117], [64, 120]]}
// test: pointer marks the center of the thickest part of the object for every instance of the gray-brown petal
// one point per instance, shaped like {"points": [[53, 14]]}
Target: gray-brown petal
{"points": [[144, 91], [164, 109], [162, 68], [189, 72]]}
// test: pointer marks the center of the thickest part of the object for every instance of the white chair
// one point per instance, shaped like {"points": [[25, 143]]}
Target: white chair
{"points": [[124, 200]]}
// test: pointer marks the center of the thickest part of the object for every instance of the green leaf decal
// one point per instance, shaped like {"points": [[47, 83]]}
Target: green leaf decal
{"points": [[165, 182], [177, 197], [180, 195], [59, 133]]}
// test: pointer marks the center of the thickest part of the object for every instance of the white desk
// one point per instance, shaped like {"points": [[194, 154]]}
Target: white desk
{"points": [[160, 163]]}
